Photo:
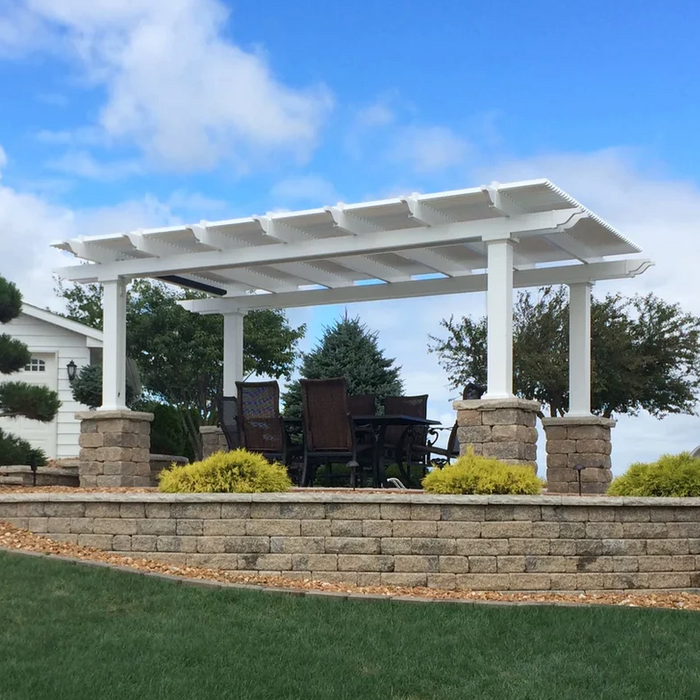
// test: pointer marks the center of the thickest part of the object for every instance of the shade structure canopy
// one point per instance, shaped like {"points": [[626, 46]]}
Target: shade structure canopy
{"points": [[490, 238]]}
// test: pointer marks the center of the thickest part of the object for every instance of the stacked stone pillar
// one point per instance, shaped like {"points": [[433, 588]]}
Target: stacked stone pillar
{"points": [[114, 448], [501, 428], [213, 440], [583, 442]]}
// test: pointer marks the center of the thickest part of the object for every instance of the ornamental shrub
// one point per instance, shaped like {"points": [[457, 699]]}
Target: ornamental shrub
{"points": [[14, 450], [672, 475], [238, 471], [474, 474]]}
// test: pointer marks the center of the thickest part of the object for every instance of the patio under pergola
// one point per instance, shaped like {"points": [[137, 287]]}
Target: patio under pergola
{"points": [[491, 238]]}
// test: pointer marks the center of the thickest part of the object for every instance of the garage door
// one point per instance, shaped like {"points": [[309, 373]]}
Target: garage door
{"points": [[40, 371]]}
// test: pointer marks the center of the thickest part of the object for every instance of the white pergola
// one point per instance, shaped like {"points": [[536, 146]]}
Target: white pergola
{"points": [[491, 238]]}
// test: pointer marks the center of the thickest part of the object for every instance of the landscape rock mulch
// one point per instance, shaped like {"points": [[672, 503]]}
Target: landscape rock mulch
{"points": [[13, 538]]}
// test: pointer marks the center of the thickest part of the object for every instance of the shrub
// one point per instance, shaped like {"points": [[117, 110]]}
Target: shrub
{"points": [[238, 471], [87, 387], [14, 450], [482, 475], [167, 432], [672, 475]]}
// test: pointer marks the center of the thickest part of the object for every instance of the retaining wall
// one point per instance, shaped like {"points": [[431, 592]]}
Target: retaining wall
{"points": [[518, 543]]}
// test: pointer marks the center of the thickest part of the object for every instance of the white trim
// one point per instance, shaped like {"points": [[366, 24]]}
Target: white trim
{"points": [[61, 322]]}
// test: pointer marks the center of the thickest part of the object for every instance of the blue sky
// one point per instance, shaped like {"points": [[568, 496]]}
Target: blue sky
{"points": [[118, 115]]}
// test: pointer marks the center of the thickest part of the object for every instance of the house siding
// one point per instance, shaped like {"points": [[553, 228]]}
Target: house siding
{"points": [[44, 337]]}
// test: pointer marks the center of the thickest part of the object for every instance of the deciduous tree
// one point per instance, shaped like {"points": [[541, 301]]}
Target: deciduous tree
{"points": [[645, 353]]}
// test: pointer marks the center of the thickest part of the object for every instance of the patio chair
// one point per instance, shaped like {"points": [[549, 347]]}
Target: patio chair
{"points": [[362, 404], [404, 444], [446, 454], [227, 408], [329, 432], [260, 425]]}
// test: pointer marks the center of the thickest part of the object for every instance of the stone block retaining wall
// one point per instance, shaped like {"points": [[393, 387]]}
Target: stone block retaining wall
{"points": [[518, 543]]}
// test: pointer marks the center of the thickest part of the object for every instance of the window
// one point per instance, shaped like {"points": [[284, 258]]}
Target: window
{"points": [[35, 366]]}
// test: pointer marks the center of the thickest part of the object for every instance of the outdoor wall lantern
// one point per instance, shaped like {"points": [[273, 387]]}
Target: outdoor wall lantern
{"points": [[72, 370]]}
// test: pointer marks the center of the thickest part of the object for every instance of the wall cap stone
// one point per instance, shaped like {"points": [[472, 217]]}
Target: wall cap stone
{"points": [[579, 420], [112, 415], [355, 498], [209, 429], [493, 404], [51, 471], [170, 459]]}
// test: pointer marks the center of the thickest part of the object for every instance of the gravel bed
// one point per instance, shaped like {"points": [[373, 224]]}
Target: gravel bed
{"points": [[13, 538]]}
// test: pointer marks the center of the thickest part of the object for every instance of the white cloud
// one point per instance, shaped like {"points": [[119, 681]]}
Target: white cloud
{"points": [[310, 189], [54, 99], [428, 149], [83, 164], [176, 86], [3, 159], [29, 223], [83, 136], [376, 115]]}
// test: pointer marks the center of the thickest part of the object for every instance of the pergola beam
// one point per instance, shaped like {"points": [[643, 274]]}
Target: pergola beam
{"points": [[569, 274]]}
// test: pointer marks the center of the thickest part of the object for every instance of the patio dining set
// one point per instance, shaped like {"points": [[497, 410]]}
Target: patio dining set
{"points": [[336, 428]]}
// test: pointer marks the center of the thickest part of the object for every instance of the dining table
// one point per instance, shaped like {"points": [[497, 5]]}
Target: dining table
{"points": [[378, 424]]}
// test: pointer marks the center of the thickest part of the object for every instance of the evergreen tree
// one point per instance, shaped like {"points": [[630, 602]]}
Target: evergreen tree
{"points": [[347, 349], [19, 399]]}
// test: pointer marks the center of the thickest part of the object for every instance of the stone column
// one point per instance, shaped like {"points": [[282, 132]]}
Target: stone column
{"points": [[582, 441], [501, 428], [114, 448], [213, 440]]}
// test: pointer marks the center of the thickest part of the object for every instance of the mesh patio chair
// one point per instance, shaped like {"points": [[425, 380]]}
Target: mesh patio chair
{"points": [[227, 407], [260, 426], [362, 404], [329, 432], [401, 442]]}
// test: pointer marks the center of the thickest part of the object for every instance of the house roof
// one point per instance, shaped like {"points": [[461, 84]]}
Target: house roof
{"points": [[397, 245], [61, 321]]}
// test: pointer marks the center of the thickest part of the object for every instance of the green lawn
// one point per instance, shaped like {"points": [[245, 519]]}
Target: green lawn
{"points": [[70, 632]]}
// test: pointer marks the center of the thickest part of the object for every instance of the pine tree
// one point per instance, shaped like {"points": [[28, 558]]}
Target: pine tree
{"points": [[19, 399], [347, 349]]}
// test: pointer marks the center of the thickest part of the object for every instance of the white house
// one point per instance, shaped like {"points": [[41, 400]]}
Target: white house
{"points": [[54, 342]]}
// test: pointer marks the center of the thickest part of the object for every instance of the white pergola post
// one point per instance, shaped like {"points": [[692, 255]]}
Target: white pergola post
{"points": [[233, 351], [499, 309], [580, 349], [114, 345]]}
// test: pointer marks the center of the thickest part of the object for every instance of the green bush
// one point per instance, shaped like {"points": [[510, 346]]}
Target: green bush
{"points": [[672, 475], [167, 432], [87, 387], [482, 475], [14, 450], [238, 471]]}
